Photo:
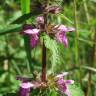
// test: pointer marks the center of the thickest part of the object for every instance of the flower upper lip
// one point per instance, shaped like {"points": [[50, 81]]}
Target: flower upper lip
{"points": [[32, 31]]}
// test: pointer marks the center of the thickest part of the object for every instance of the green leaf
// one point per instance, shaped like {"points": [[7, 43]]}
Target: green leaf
{"points": [[25, 6], [28, 52], [53, 93], [76, 90], [22, 18], [25, 17], [11, 29], [26, 13]]}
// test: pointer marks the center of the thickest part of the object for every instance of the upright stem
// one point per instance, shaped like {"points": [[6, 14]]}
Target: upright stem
{"points": [[44, 52], [43, 62]]}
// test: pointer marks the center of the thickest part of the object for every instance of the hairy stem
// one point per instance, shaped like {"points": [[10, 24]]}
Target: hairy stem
{"points": [[44, 48], [43, 62], [44, 53]]}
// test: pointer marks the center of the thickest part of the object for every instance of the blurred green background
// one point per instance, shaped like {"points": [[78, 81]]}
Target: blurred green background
{"points": [[79, 58]]}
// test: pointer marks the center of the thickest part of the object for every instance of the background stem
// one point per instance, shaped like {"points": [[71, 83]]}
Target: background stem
{"points": [[91, 49], [76, 40], [25, 6]]}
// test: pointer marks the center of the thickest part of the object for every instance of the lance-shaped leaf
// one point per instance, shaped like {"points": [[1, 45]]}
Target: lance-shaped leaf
{"points": [[25, 17], [11, 29], [37, 9]]}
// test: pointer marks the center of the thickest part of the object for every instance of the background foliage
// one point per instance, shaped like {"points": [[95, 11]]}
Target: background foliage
{"points": [[79, 58]]}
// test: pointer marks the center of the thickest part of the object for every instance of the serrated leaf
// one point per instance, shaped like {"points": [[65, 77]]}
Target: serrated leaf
{"points": [[53, 47], [76, 90]]}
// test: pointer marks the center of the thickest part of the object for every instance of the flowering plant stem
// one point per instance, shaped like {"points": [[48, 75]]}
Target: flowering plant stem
{"points": [[76, 40], [43, 63], [43, 77]]}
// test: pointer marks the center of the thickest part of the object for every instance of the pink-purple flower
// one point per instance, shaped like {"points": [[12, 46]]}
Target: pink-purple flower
{"points": [[60, 35], [63, 84], [25, 89], [27, 84], [33, 32]]}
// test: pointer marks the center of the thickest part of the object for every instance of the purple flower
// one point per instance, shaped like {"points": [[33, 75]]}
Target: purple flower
{"points": [[33, 32], [34, 40], [62, 84], [60, 35], [25, 86]]}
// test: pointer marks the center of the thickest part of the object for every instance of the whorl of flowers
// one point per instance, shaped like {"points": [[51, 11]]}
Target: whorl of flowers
{"points": [[27, 84], [33, 33], [59, 32], [60, 35]]}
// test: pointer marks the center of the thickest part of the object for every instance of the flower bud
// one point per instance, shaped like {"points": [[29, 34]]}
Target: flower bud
{"points": [[53, 9]]}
